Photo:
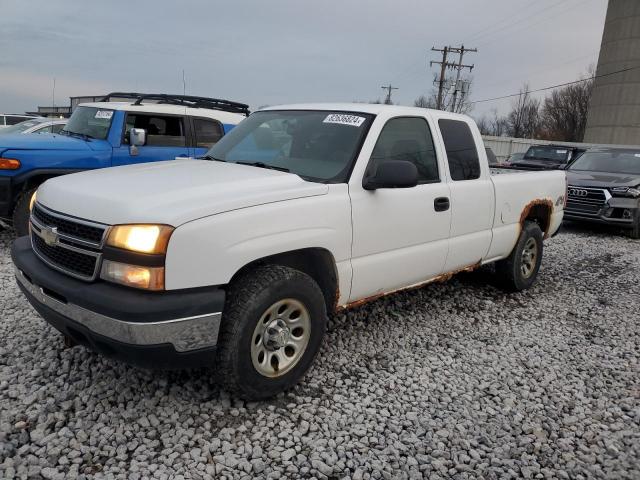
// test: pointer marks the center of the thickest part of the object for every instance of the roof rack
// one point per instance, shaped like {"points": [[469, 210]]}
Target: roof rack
{"points": [[185, 100]]}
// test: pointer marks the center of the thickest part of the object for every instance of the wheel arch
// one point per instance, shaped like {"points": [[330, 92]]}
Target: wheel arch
{"points": [[538, 211], [318, 263]]}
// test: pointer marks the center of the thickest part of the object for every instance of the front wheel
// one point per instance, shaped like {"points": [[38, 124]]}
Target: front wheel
{"points": [[520, 269], [21, 213], [274, 321]]}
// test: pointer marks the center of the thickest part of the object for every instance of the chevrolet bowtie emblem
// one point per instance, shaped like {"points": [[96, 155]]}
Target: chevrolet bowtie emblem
{"points": [[49, 235]]}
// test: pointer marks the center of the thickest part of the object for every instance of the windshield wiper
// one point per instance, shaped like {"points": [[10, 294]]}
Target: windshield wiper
{"points": [[84, 136], [209, 157], [264, 165]]}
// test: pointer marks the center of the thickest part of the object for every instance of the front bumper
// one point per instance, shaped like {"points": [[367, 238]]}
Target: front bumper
{"points": [[174, 329], [611, 213]]}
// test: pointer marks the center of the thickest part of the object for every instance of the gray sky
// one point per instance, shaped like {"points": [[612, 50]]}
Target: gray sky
{"points": [[286, 51]]}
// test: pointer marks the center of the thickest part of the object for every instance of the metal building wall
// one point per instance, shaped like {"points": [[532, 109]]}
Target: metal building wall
{"points": [[614, 111]]}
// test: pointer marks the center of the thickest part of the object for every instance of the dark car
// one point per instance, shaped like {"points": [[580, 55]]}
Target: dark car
{"points": [[548, 157], [491, 157], [604, 187]]}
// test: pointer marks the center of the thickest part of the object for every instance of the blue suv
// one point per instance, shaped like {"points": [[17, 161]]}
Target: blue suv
{"points": [[99, 135]]}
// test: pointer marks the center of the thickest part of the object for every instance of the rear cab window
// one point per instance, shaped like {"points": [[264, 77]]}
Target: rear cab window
{"points": [[207, 132], [462, 154]]}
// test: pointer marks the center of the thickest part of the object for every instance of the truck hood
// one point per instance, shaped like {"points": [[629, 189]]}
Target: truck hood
{"points": [[19, 141], [602, 179], [172, 192]]}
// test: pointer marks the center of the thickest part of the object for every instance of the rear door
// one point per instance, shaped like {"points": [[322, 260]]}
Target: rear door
{"points": [[166, 138], [472, 194]]}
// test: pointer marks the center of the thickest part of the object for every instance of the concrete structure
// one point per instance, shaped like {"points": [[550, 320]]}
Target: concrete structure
{"points": [[614, 111]]}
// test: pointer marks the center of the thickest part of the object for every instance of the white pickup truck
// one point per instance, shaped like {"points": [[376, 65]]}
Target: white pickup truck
{"points": [[236, 259]]}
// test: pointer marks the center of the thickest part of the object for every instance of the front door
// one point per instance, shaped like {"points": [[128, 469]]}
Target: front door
{"points": [[166, 139], [400, 235]]}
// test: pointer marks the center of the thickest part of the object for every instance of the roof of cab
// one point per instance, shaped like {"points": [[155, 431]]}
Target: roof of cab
{"points": [[222, 116], [372, 108]]}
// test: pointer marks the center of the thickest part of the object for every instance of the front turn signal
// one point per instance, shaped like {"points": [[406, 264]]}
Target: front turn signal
{"points": [[9, 164]]}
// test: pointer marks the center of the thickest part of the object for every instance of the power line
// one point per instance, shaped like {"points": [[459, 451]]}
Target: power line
{"points": [[501, 31], [558, 86]]}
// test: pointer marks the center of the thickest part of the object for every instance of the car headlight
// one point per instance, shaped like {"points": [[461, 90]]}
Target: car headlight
{"points": [[626, 191], [148, 278], [32, 201], [140, 238]]}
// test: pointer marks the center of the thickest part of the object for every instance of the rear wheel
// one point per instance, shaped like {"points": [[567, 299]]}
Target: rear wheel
{"points": [[520, 269], [21, 213], [272, 328], [635, 231]]}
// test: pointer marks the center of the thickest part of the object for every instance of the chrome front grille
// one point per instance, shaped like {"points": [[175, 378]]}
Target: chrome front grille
{"points": [[70, 245], [586, 199]]}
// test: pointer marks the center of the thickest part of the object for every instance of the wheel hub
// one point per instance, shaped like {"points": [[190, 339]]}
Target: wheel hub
{"points": [[276, 335], [280, 337]]}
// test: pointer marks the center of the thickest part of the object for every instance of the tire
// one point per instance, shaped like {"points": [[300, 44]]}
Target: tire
{"points": [[21, 213], [520, 269], [258, 304], [635, 231]]}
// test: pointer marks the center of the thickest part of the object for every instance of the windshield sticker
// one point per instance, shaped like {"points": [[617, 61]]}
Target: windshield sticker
{"points": [[637, 155], [342, 119], [561, 151], [107, 114]]}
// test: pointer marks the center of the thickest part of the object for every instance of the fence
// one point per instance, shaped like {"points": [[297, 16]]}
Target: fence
{"points": [[504, 146]]}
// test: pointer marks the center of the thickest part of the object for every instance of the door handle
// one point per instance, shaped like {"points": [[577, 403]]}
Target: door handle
{"points": [[441, 204]]}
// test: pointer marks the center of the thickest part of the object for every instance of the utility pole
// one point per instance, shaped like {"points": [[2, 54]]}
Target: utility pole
{"points": [[443, 67], [459, 67], [442, 81], [388, 88]]}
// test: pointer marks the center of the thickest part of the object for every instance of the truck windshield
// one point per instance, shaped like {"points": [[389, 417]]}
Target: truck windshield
{"points": [[551, 154], [624, 161], [319, 146], [91, 122]]}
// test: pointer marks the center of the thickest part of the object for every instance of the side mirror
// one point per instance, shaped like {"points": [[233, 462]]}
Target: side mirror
{"points": [[137, 137], [392, 174]]}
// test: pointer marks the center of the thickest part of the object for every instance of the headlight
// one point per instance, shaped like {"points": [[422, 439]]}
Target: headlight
{"points": [[626, 191], [140, 238], [33, 200], [9, 164], [148, 278]]}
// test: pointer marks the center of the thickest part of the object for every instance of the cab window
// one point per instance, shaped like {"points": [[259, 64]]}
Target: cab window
{"points": [[462, 153], [162, 130], [207, 132], [408, 139]]}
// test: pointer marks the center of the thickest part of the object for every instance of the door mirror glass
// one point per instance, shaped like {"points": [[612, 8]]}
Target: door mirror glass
{"points": [[137, 137], [393, 174]]}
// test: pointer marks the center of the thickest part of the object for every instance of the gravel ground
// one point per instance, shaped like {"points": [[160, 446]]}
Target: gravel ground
{"points": [[454, 380]]}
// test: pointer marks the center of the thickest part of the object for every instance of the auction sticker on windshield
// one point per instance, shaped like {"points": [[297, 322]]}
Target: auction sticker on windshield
{"points": [[107, 114], [343, 119]]}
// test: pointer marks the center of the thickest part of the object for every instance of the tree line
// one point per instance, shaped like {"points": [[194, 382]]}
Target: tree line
{"points": [[560, 116]]}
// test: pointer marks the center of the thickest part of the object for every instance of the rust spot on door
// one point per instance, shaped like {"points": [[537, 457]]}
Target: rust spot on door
{"points": [[439, 279]]}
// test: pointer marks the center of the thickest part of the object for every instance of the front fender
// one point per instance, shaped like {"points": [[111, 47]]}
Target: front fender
{"points": [[209, 251], [64, 161]]}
